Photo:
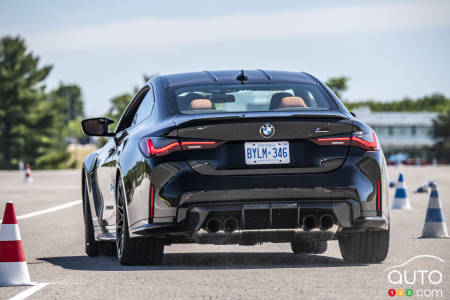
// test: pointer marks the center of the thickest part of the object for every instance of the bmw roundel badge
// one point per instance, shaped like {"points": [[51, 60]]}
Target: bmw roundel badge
{"points": [[267, 130]]}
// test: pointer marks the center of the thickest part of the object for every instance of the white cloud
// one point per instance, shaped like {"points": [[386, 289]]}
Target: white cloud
{"points": [[177, 32]]}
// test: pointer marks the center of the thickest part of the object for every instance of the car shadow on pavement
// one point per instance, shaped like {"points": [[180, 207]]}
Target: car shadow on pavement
{"points": [[199, 261]]}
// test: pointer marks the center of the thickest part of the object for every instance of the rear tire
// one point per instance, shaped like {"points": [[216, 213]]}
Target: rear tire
{"points": [[364, 246], [134, 251], [309, 247]]}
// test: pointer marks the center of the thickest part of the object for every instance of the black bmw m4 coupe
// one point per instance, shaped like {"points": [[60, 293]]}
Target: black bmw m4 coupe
{"points": [[235, 157]]}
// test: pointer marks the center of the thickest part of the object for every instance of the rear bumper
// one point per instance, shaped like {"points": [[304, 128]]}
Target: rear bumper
{"points": [[269, 207], [176, 184], [262, 221]]}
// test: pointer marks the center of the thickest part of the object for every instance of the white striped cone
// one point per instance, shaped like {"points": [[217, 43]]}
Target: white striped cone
{"points": [[28, 178], [13, 266], [401, 200], [434, 226]]}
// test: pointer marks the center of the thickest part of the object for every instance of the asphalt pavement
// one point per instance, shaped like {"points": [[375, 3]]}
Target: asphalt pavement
{"points": [[54, 249]]}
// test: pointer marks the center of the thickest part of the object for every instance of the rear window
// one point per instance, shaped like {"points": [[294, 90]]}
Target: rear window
{"points": [[252, 98]]}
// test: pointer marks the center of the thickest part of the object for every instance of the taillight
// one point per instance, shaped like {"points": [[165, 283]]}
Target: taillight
{"points": [[164, 150], [364, 140], [332, 141], [198, 145], [149, 148]]}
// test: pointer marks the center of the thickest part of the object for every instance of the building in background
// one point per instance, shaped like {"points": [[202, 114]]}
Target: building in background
{"points": [[408, 132]]}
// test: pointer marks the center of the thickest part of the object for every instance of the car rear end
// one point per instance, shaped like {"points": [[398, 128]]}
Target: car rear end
{"points": [[251, 163]]}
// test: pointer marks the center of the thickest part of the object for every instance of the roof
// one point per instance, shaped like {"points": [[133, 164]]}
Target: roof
{"points": [[394, 118], [229, 77]]}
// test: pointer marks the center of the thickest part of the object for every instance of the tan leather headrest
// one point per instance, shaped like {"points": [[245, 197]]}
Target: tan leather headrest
{"points": [[199, 104], [293, 101]]}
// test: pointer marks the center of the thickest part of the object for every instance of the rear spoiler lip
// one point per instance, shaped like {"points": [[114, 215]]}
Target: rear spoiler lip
{"points": [[182, 119]]}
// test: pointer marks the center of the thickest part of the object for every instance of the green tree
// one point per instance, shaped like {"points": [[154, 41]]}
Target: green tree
{"points": [[338, 84], [441, 133], [25, 118], [66, 104], [73, 129], [435, 102], [67, 100]]}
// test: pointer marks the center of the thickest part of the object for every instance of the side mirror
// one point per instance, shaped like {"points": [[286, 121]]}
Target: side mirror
{"points": [[96, 126]]}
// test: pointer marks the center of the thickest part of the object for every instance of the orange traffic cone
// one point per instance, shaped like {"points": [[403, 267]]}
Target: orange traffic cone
{"points": [[28, 178], [13, 266]]}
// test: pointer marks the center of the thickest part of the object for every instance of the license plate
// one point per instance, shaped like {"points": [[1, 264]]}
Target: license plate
{"points": [[266, 153]]}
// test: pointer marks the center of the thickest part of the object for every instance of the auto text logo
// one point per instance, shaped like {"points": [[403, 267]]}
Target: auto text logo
{"points": [[419, 276]]}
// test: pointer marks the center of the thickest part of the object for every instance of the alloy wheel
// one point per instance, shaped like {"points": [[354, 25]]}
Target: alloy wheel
{"points": [[120, 219]]}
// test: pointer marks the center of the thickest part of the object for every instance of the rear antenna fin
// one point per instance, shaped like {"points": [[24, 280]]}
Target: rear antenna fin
{"points": [[265, 74], [211, 75], [241, 77]]}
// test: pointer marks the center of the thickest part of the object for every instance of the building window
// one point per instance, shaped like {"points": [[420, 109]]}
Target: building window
{"points": [[391, 130], [413, 130]]}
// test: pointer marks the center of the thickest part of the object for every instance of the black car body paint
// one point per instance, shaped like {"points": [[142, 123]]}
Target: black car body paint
{"points": [[190, 186]]}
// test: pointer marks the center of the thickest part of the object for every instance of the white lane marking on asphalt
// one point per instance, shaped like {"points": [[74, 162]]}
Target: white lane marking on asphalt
{"points": [[27, 293], [49, 210]]}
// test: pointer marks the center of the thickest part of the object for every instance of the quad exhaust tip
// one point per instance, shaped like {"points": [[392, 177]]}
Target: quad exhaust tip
{"points": [[213, 225], [230, 224], [326, 222], [309, 222]]}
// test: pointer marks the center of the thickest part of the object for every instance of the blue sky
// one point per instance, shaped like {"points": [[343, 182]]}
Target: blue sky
{"points": [[390, 49]]}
